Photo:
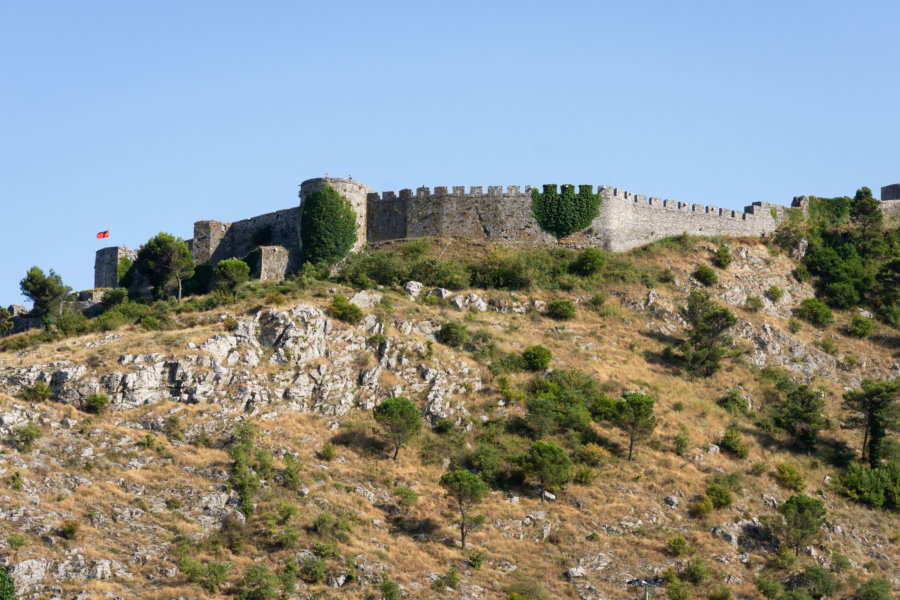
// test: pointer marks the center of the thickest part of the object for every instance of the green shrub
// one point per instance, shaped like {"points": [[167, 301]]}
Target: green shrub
{"points": [[733, 402], [453, 334], [681, 444], [775, 293], [722, 593], [828, 345], [758, 468], [592, 454], [678, 546], [789, 476], [15, 542], [719, 495], [342, 309], [536, 358], [754, 304], [702, 507], [733, 442], [389, 588], [794, 325], [25, 435], [706, 275], [149, 323], [328, 227], [476, 558], [449, 580], [768, 588], [816, 581], [73, 323], [694, 572], [876, 588], [327, 452], [815, 312], [584, 475], [860, 326], [96, 403], [38, 392], [114, 297], [590, 261], [406, 497], [313, 570], [723, 257], [678, 591], [258, 583], [561, 309]]}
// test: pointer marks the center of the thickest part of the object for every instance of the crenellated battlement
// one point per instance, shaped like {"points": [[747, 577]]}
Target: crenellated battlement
{"points": [[499, 213]]}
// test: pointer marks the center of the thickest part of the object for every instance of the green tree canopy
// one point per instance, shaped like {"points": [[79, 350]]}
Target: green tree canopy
{"points": [[230, 273], [466, 490], [708, 325], [6, 323], [399, 419], [548, 464], [45, 291], [327, 226], [798, 521], [875, 408], [802, 415], [634, 415], [865, 211], [563, 213], [163, 257]]}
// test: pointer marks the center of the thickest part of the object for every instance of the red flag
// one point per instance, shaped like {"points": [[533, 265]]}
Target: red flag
{"points": [[103, 234]]}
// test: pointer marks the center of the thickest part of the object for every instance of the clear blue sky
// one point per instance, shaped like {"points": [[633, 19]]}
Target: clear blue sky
{"points": [[143, 117]]}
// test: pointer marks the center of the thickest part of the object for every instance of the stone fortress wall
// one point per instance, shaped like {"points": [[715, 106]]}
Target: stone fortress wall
{"points": [[624, 221]]}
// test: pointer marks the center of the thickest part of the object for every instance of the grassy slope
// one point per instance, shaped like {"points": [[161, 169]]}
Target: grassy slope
{"points": [[610, 346]]}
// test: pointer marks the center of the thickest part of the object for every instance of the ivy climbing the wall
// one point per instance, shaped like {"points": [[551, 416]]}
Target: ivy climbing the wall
{"points": [[562, 213]]}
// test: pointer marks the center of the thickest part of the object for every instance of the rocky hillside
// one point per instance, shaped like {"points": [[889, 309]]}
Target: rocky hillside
{"points": [[142, 498]]}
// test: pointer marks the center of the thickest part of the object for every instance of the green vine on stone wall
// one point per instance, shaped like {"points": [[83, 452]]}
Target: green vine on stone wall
{"points": [[562, 213]]}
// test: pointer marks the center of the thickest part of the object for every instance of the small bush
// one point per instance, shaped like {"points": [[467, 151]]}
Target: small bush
{"points": [[327, 452], [860, 326], [719, 495], [733, 402], [815, 312], [406, 497], [73, 323], [149, 323], [25, 435], [775, 293], [694, 572], [723, 257], [702, 507], [681, 444], [794, 325], [592, 454], [389, 588], [536, 358], [561, 309], [816, 581], [706, 275], [449, 580], [96, 403], [768, 588], [722, 593], [584, 475], [258, 583], [758, 468], [16, 541], [70, 529], [476, 558], [342, 310], [313, 570], [38, 392], [754, 304], [876, 588], [733, 442], [678, 591], [828, 345], [678, 546], [114, 297], [589, 262], [453, 334], [789, 476]]}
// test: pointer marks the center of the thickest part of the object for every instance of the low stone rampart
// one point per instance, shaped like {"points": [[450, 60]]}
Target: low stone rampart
{"points": [[217, 240]]}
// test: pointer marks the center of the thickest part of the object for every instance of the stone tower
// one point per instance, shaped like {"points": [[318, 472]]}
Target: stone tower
{"points": [[106, 263], [354, 191]]}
